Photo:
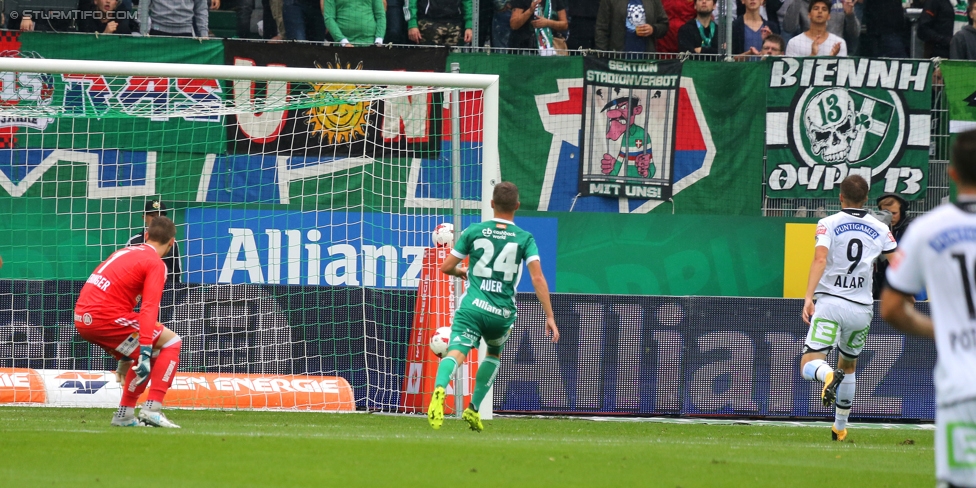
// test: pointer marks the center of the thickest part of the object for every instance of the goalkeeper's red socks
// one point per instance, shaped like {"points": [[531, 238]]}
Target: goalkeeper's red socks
{"points": [[164, 369], [161, 375], [132, 391]]}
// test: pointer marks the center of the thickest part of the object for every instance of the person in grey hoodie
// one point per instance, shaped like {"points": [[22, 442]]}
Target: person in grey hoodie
{"points": [[185, 18], [963, 44]]}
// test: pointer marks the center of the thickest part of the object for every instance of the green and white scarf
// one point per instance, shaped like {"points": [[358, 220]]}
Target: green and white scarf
{"points": [[543, 36]]}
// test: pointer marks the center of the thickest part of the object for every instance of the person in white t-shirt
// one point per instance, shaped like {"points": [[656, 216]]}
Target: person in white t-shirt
{"points": [[816, 41], [938, 254], [848, 243]]}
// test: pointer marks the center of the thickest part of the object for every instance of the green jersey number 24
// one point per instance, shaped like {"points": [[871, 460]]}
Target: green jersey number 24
{"points": [[504, 262]]}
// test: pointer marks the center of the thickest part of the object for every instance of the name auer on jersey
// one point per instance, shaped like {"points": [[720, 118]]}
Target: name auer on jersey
{"points": [[491, 286], [487, 306], [860, 73], [857, 227], [99, 281], [845, 281]]}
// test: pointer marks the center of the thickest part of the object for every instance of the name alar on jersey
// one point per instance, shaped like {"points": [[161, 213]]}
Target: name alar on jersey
{"points": [[845, 281]]}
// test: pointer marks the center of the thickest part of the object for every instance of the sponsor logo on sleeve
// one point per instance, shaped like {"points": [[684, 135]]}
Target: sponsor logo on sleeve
{"points": [[895, 259]]}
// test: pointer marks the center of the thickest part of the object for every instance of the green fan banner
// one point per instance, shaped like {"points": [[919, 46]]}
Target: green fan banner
{"points": [[716, 124], [630, 113], [99, 105], [829, 118], [355, 128], [960, 90]]}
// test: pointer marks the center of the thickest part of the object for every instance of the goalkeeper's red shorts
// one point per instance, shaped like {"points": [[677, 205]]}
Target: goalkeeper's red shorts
{"points": [[119, 337]]}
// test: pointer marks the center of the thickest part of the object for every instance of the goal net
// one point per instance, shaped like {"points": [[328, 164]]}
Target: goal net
{"points": [[304, 201]]}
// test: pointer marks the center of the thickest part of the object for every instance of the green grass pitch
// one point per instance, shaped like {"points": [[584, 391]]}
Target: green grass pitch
{"points": [[77, 447]]}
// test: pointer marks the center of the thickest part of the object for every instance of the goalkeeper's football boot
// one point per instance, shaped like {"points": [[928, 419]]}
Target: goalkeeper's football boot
{"points": [[831, 382], [838, 436], [126, 422], [473, 418], [435, 413], [156, 419]]}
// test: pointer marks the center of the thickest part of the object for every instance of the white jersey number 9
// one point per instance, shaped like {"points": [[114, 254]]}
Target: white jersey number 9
{"points": [[855, 249]]}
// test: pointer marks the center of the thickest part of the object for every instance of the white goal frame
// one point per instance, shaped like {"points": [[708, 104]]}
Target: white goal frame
{"points": [[489, 84]]}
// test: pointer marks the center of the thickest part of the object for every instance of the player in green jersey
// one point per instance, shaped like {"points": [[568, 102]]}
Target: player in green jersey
{"points": [[497, 249]]}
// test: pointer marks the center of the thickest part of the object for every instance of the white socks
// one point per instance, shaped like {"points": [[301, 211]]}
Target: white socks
{"points": [[125, 412], [845, 396], [153, 405], [816, 369]]}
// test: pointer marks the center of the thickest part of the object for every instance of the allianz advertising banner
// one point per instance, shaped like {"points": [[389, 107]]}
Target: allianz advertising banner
{"points": [[326, 248], [697, 356]]}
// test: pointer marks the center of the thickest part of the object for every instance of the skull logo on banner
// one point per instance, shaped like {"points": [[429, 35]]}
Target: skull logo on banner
{"points": [[831, 125]]}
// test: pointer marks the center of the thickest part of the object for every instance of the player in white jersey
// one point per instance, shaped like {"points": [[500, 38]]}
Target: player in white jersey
{"points": [[848, 243], [938, 253]]}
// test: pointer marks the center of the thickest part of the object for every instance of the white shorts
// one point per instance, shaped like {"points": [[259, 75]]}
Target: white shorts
{"points": [[841, 323], [955, 444]]}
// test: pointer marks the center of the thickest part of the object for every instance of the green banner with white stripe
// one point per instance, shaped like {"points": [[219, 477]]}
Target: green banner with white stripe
{"points": [[960, 90], [827, 118]]}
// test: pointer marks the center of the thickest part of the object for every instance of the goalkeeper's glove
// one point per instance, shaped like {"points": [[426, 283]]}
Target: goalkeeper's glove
{"points": [[141, 369]]}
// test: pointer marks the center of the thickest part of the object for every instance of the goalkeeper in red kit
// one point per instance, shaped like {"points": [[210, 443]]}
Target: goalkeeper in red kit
{"points": [[104, 316]]}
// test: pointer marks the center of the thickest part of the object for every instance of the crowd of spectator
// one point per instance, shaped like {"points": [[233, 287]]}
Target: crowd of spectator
{"points": [[877, 28]]}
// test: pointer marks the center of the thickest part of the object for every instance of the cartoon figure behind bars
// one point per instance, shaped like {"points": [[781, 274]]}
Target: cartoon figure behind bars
{"points": [[635, 150]]}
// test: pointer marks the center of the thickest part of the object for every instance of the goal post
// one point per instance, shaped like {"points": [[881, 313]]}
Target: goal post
{"points": [[297, 243]]}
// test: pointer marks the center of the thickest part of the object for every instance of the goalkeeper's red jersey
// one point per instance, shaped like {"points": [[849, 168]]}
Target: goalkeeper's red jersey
{"points": [[111, 290]]}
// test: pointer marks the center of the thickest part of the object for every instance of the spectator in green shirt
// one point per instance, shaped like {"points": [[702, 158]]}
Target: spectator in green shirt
{"points": [[355, 22], [439, 22]]}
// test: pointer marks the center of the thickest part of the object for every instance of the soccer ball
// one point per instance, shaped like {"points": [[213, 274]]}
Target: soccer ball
{"points": [[443, 234], [440, 341]]}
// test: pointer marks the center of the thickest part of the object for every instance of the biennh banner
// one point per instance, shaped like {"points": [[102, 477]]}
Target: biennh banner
{"points": [[629, 114], [829, 118]]}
